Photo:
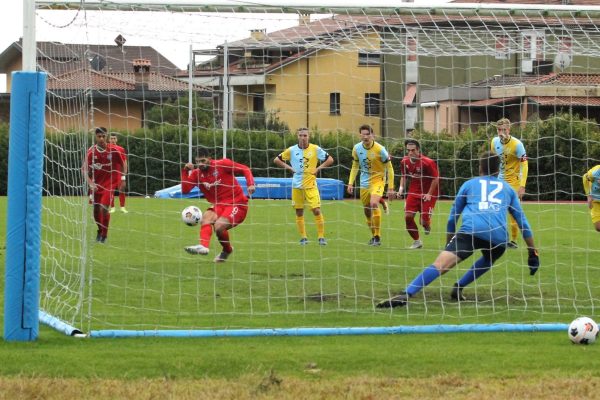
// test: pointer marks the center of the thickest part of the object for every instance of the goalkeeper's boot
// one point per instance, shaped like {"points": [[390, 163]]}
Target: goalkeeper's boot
{"points": [[303, 242], [456, 294], [98, 236], [512, 245], [124, 210], [112, 210], [322, 242], [427, 230], [397, 301], [417, 244], [197, 249], [222, 257]]}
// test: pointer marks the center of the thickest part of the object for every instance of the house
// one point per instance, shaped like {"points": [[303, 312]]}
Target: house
{"points": [[339, 72], [91, 85], [520, 98], [296, 75]]}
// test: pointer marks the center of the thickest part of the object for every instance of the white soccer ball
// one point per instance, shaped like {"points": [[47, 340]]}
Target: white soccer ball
{"points": [[191, 215], [583, 330]]}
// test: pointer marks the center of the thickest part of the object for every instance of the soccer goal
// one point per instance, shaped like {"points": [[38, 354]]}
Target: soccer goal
{"points": [[239, 78]]}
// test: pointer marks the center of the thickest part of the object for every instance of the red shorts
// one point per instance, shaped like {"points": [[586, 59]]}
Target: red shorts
{"points": [[414, 203], [103, 197], [235, 214]]}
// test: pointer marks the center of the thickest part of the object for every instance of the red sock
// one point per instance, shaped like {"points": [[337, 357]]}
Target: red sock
{"points": [[112, 201], [411, 227], [426, 221], [224, 240], [205, 234], [121, 199], [97, 218], [106, 220]]}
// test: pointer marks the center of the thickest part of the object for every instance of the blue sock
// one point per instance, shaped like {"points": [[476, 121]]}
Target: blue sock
{"points": [[479, 267], [428, 275]]}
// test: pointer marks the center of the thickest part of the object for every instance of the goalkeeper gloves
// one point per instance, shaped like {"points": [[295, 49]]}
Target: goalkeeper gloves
{"points": [[533, 261]]}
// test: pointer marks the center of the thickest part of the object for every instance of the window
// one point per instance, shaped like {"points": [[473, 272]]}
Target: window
{"points": [[365, 58], [371, 104], [502, 47], [258, 103], [334, 103]]}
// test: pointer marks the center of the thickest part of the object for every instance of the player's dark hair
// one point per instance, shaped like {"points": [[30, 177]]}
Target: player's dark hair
{"points": [[365, 127], [101, 130], [301, 129], [489, 163], [203, 152], [412, 141]]}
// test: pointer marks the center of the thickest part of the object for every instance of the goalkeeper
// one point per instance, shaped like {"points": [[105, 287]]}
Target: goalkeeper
{"points": [[483, 203]]}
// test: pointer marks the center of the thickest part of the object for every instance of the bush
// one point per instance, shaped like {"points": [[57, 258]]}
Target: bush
{"points": [[560, 149]]}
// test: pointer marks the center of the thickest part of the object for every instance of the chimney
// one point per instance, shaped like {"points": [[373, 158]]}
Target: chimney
{"points": [[258, 34], [141, 69], [303, 19]]}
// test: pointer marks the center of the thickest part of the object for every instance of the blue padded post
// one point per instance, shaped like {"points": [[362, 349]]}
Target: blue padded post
{"points": [[25, 172]]}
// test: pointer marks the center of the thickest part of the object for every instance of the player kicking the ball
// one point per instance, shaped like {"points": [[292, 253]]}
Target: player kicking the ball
{"points": [[229, 206]]}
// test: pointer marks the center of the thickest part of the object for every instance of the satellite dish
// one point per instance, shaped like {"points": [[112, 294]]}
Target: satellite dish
{"points": [[562, 61]]}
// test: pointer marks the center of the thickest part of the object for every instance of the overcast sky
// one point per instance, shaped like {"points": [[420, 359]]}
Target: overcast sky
{"points": [[172, 38]]}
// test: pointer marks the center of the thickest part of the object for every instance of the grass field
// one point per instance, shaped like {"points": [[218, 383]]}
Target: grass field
{"points": [[142, 280]]}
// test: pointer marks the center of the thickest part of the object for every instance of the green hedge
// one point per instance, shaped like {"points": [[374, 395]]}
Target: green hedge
{"points": [[560, 150]]}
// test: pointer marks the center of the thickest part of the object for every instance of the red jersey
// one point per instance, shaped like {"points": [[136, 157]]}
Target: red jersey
{"points": [[105, 164], [123, 153], [227, 190], [421, 174]]}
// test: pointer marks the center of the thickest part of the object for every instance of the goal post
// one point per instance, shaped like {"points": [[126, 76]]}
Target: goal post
{"points": [[25, 173], [239, 78]]}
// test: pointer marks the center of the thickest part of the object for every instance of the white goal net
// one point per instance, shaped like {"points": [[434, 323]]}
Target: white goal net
{"points": [[442, 75]]}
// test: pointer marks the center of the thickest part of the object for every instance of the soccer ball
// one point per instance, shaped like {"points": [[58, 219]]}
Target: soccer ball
{"points": [[191, 215], [583, 330]]}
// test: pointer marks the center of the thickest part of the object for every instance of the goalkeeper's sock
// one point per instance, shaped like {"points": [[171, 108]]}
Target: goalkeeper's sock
{"points": [[121, 199], [428, 275], [479, 267], [205, 234], [301, 226], [376, 222], [412, 228], [320, 221], [224, 240]]}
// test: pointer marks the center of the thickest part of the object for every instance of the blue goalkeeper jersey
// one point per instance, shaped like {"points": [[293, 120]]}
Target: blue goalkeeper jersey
{"points": [[483, 203]]}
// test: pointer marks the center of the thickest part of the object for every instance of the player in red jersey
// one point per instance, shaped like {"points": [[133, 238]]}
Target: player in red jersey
{"points": [[229, 206], [102, 168], [122, 177], [422, 192]]}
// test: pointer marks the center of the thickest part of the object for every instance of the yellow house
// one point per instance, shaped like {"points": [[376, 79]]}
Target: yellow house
{"points": [[281, 75]]}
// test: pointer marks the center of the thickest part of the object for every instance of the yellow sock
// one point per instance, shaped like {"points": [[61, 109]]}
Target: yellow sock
{"points": [[320, 221], [514, 230], [300, 225], [370, 225], [376, 222]]}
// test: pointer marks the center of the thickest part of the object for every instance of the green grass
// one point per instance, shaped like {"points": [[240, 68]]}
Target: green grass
{"points": [[142, 280]]}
